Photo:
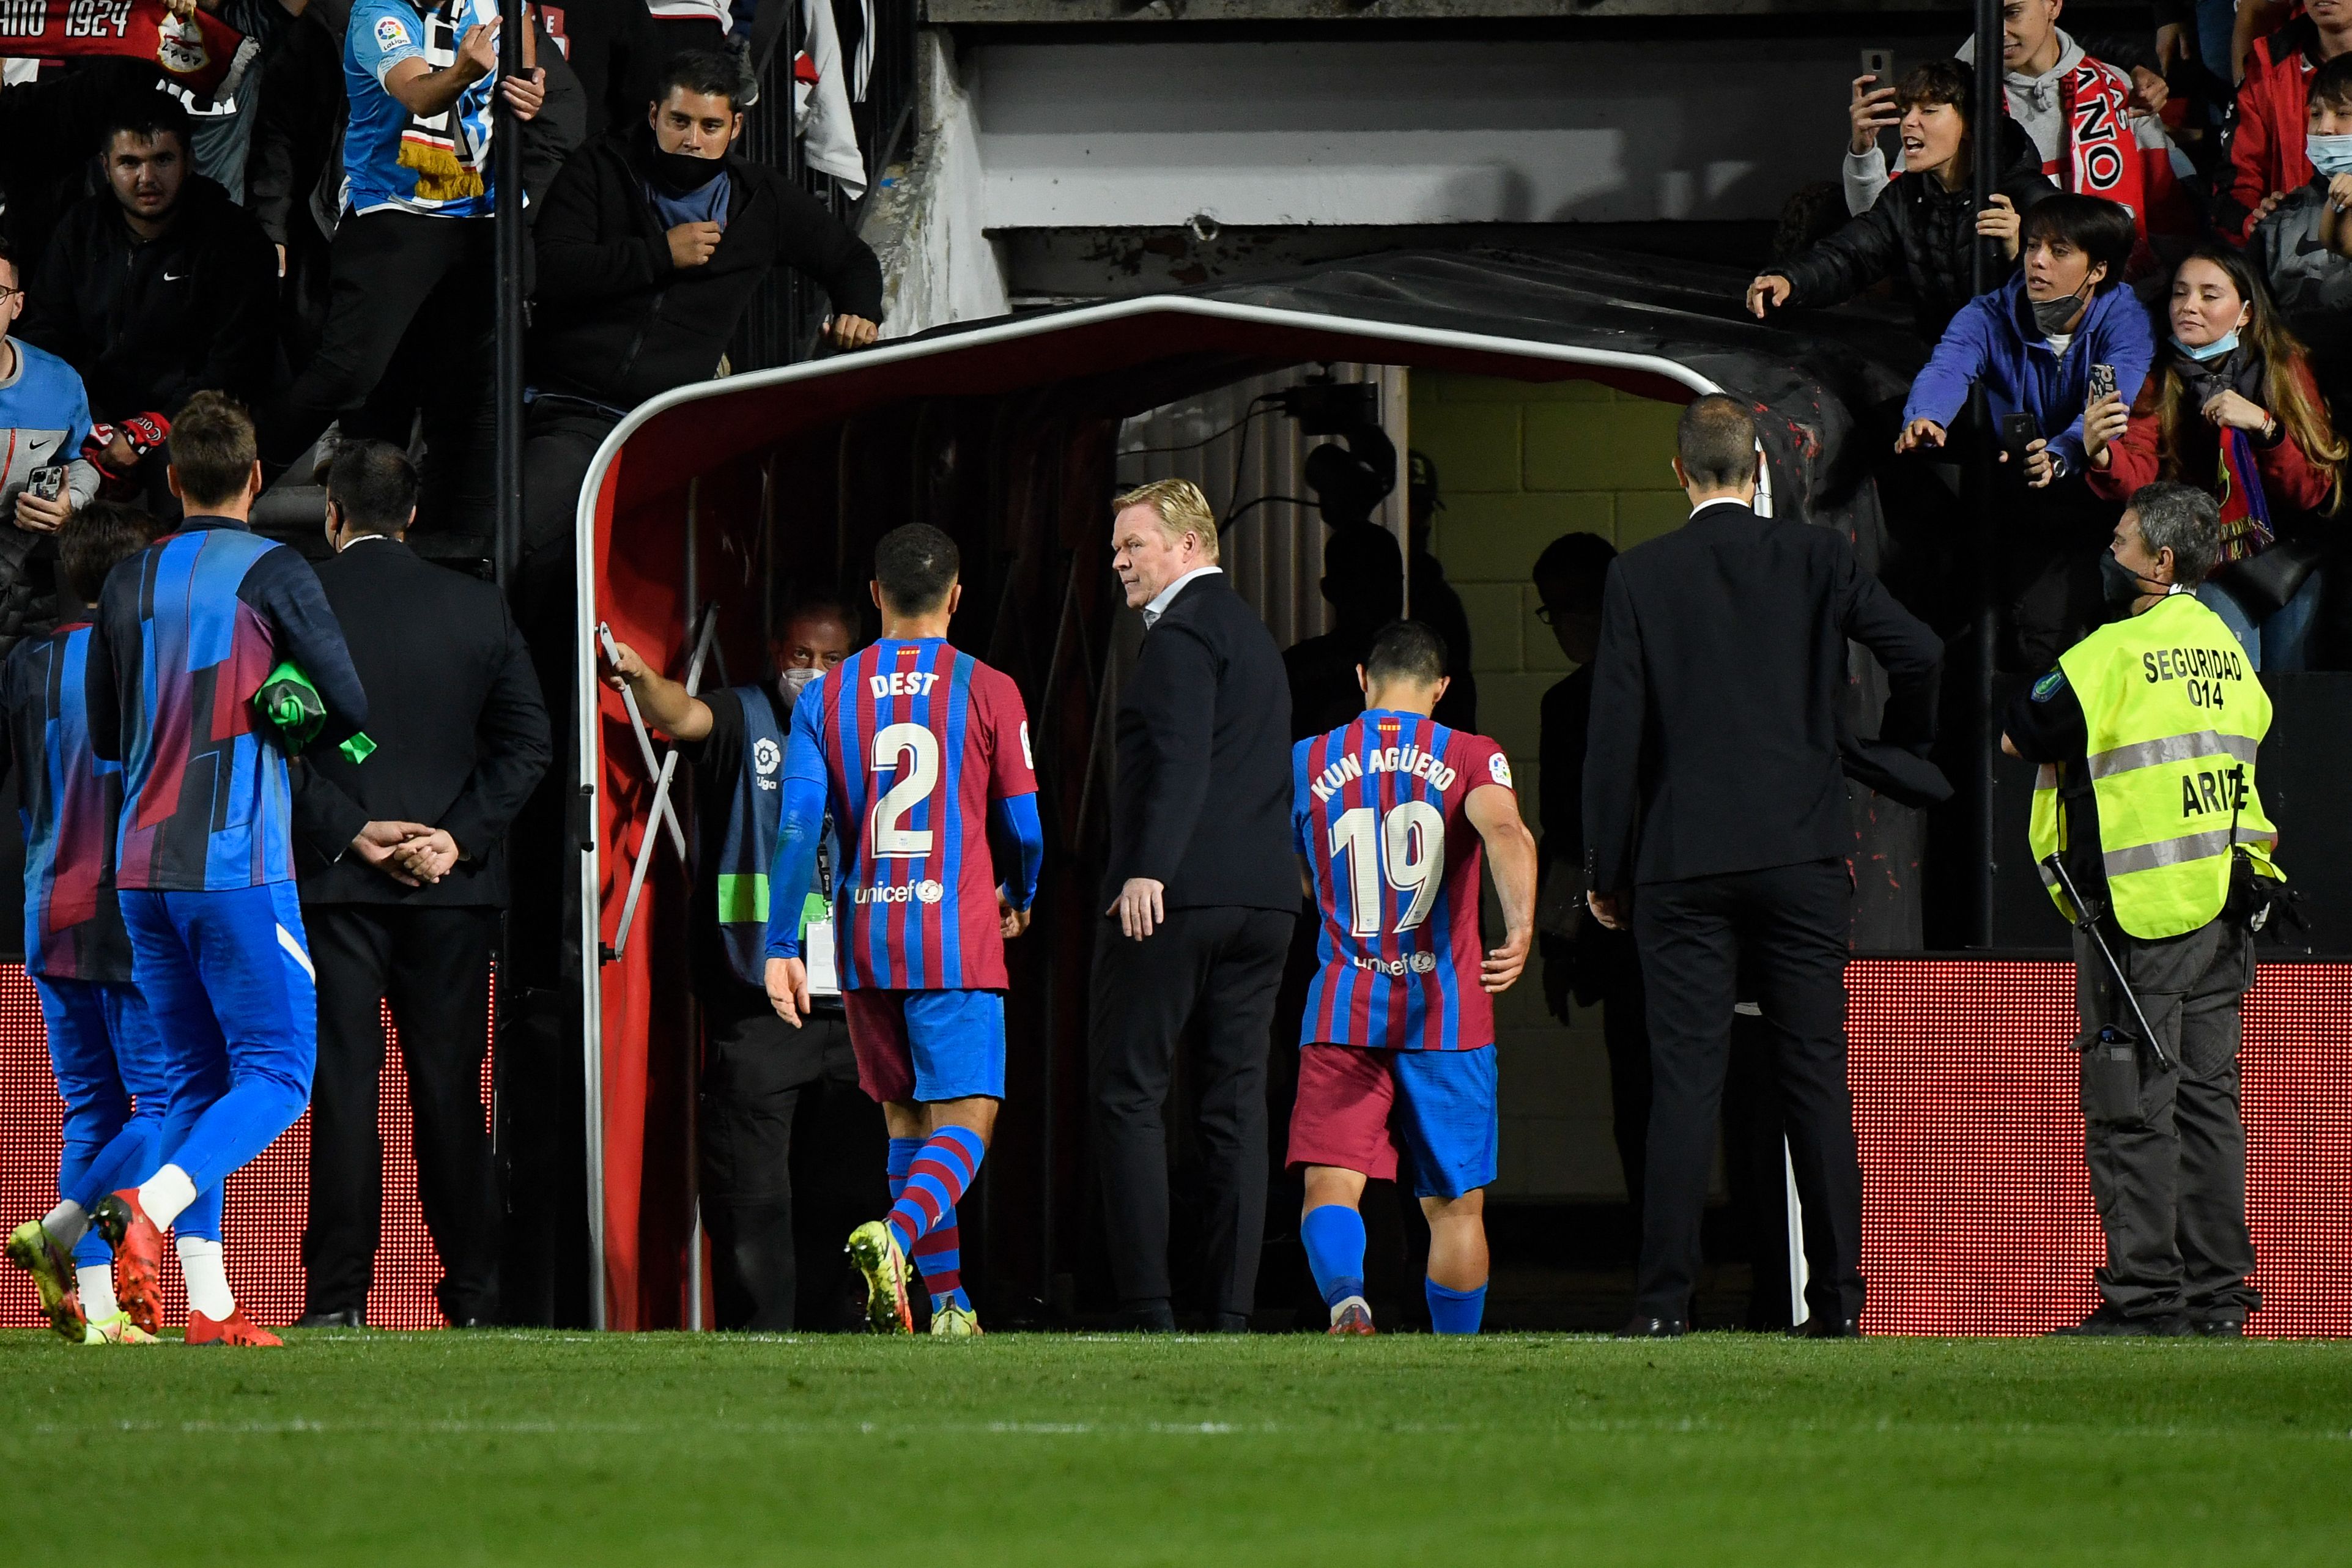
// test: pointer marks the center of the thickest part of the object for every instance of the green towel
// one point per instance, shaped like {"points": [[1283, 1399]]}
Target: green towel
{"points": [[291, 706]]}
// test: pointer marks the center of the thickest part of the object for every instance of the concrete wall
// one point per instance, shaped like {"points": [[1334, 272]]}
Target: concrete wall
{"points": [[1396, 132], [1520, 466], [938, 264]]}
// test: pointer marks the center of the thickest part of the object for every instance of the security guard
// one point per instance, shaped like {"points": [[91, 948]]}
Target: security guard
{"points": [[2146, 733]]}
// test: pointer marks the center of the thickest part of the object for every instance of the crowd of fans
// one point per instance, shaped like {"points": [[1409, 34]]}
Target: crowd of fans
{"points": [[316, 241], [2167, 233]]}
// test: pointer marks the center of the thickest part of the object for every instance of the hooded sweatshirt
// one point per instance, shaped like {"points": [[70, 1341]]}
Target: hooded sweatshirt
{"points": [[2039, 104], [1993, 340]]}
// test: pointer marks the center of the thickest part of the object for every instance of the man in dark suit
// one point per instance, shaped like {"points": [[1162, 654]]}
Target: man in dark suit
{"points": [[401, 880], [1715, 804], [1202, 891]]}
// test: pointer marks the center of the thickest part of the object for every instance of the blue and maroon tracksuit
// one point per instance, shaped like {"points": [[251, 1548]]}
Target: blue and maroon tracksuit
{"points": [[186, 631], [109, 1059]]}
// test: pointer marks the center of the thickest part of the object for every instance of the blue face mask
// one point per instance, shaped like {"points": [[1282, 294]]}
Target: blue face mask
{"points": [[2213, 350], [2331, 155]]}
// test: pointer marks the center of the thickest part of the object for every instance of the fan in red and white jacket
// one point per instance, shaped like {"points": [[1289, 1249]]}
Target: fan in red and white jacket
{"points": [[2268, 126], [2079, 116]]}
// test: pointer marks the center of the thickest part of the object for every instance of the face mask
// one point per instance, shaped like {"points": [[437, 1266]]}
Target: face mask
{"points": [[2052, 315], [2121, 585], [2213, 350], [792, 682], [683, 173], [2331, 155]]}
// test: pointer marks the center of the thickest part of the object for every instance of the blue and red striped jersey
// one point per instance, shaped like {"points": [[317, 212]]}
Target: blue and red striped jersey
{"points": [[1377, 809], [187, 632], [912, 740], [66, 803]]}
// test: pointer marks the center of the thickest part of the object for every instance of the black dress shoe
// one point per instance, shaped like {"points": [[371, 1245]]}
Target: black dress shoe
{"points": [[1229, 1323], [2110, 1323], [1148, 1317], [1653, 1329], [2216, 1326], [347, 1317], [1820, 1328]]}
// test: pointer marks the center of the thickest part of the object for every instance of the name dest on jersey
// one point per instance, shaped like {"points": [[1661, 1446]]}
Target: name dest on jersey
{"points": [[1407, 759], [902, 683], [2204, 668]]}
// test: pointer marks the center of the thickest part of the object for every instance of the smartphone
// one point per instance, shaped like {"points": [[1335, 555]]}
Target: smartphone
{"points": [[1879, 63], [2017, 432], [47, 483], [2103, 381]]}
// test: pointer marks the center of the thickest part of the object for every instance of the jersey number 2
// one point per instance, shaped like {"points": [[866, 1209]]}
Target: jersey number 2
{"points": [[920, 748], [1410, 847]]}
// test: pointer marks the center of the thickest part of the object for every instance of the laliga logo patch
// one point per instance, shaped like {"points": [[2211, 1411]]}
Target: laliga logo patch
{"points": [[1028, 759], [1499, 768], [930, 892], [765, 756], [391, 33], [1423, 963]]}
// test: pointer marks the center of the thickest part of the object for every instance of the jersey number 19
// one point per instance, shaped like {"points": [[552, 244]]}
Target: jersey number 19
{"points": [[1408, 847]]}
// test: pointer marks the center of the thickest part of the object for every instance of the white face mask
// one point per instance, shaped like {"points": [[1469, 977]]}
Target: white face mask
{"points": [[790, 683]]}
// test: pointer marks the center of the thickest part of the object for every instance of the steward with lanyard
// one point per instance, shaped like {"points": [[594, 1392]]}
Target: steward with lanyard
{"points": [[756, 1069], [2147, 734]]}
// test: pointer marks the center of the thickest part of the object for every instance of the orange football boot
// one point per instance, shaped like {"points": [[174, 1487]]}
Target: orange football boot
{"points": [[236, 1328], [138, 1256]]}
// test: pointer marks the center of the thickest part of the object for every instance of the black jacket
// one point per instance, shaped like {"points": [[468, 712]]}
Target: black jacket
{"points": [[1202, 798], [454, 708], [615, 323], [1917, 231], [147, 322], [1714, 745]]}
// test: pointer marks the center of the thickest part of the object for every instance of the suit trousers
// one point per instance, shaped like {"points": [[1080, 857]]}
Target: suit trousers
{"points": [[1783, 930], [2165, 1144], [1225, 963], [432, 964]]}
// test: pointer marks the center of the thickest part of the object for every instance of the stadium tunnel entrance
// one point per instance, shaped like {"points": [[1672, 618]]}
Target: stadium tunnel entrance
{"points": [[708, 508]]}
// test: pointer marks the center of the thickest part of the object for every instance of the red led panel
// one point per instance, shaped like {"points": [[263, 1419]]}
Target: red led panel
{"points": [[1977, 1213], [267, 1202]]}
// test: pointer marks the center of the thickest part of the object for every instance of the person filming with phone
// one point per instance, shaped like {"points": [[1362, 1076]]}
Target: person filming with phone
{"points": [[2234, 409], [43, 417], [2033, 345]]}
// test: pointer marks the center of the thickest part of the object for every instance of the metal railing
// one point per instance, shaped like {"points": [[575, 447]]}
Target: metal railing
{"points": [[787, 313]]}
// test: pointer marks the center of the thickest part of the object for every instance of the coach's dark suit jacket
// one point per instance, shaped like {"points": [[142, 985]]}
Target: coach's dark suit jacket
{"points": [[1204, 730], [1715, 744], [454, 708]]}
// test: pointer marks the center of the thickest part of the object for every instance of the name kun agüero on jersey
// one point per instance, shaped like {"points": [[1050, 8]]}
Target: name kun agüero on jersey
{"points": [[1406, 759]]}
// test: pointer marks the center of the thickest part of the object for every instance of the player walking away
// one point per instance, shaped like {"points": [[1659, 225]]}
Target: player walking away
{"points": [[906, 743], [1397, 1050], [102, 1044], [187, 632]]}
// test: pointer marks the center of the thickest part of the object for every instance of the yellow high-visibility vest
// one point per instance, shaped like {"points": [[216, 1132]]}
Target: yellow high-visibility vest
{"points": [[2175, 713]]}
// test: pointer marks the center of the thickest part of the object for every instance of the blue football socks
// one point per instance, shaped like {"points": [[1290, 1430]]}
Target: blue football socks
{"points": [[1334, 1236], [1454, 1312]]}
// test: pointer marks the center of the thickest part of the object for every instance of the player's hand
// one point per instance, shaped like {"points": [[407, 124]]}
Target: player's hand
{"points": [[430, 856], [1917, 434], [35, 515], [788, 989], [1769, 291], [2104, 424], [1139, 907], [690, 244], [1872, 111], [852, 331], [1503, 964], [377, 844], [1010, 921], [526, 92], [1608, 909], [477, 51]]}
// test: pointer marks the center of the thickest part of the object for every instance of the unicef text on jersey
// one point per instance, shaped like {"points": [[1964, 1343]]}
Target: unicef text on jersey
{"points": [[927, 890]]}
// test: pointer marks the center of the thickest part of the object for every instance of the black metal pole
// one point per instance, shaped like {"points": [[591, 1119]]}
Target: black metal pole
{"points": [[1984, 119], [506, 176]]}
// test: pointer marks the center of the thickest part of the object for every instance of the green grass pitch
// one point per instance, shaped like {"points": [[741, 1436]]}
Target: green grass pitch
{"points": [[710, 1452]]}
